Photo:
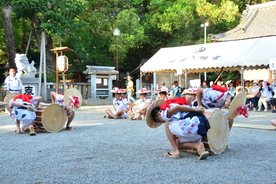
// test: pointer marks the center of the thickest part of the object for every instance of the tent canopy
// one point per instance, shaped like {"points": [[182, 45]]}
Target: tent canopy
{"points": [[213, 57]]}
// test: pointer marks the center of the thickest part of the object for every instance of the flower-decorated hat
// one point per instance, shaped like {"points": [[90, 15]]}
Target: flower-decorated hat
{"points": [[144, 90], [118, 90], [190, 91], [73, 98], [162, 90]]}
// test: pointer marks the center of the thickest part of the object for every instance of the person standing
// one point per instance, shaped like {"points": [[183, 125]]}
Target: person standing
{"points": [[13, 83], [177, 90], [130, 89]]}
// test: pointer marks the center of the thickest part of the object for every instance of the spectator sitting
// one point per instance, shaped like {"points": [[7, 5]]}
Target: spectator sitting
{"points": [[247, 86], [143, 103], [231, 88], [266, 95], [274, 97], [163, 87], [162, 94], [252, 95], [204, 84], [120, 105]]}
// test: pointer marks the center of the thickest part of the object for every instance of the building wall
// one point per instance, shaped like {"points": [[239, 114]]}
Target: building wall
{"points": [[260, 74], [169, 78]]}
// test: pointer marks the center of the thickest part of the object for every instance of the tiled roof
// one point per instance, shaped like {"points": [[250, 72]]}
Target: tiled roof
{"points": [[100, 70], [256, 21]]}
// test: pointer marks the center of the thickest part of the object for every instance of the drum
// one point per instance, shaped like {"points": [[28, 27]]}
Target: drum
{"points": [[7, 100], [218, 134], [51, 117]]}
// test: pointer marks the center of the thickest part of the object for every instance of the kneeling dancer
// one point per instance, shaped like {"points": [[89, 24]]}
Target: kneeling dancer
{"points": [[184, 126], [23, 109]]}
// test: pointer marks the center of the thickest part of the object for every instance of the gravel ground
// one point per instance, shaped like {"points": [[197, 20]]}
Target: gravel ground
{"points": [[101, 150]]}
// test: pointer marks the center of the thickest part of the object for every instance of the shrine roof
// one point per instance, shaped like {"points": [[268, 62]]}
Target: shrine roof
{"points": [[91, 70], [256, 21]]}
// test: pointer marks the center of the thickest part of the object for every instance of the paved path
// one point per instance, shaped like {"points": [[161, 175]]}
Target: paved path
{"points": [[101, 150]]}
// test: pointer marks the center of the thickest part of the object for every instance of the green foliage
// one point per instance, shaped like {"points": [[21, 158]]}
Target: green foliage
{"points": [[51, 76], [223, 11], [54, 17], [226, 76], [169, 15], [86, 26]]}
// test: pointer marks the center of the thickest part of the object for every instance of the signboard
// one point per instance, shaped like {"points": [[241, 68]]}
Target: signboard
{"points": [[29, 90], [272, 64]]}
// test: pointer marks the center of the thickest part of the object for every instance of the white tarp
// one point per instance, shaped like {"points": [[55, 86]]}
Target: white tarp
{"points": [[232, 55]]}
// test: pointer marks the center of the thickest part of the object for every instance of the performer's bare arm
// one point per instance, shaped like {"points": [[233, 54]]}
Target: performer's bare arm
{"points": [[199, 94], [53, 96], [145, 106], [18, 104], [181, 108]]}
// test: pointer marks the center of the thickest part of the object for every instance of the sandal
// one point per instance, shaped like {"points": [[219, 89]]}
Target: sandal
{"points": [[32, 133], [203, 155], [132, 118], [69, 128], [170, 155]]}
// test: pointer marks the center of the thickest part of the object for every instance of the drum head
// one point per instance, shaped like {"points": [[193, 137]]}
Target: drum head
{"points": [[238, 101], [72, 92], [3, 103], [218, 134], [54, 118], [7, 99]]}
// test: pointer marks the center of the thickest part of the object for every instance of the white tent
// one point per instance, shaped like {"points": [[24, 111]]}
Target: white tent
{"points": [[212, 57]]}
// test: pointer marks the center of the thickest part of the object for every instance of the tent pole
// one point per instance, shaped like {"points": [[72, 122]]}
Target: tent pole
{"points": [[44, 64], [186, 80], [242, 80], [40, 69]]}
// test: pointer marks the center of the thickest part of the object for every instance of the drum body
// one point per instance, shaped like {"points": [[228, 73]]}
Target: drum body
{"points": [[51, 117], [218, 134]]}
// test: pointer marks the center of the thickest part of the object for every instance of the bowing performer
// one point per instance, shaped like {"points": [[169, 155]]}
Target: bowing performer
{"points": [[23, 109], [184, 126], [72, 102]]}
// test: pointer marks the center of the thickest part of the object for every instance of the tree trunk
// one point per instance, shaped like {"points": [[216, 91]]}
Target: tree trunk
{"points": [[9, 39], [50, 55]]}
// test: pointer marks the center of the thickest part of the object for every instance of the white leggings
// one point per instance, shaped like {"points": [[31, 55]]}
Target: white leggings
{"points": [[264, 102]]}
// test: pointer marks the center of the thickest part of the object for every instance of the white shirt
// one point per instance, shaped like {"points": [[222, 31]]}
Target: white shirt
{"points": [[121, 103], [143, 102], [13, 84]]}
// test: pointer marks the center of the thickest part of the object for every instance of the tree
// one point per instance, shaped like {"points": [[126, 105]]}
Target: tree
{"points": [[56, 18], [9, 39]]}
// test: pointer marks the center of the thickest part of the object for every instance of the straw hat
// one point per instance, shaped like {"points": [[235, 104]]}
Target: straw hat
{"points": [[218, 134], [54, 118], [7, 99], [190, 91], [72, 92], [144, 90], [238, 101], [118, 90], [161, 90], [149, 119]]}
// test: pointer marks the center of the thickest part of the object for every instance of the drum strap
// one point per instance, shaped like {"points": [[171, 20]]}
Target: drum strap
{"points": [[222, 94]]}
